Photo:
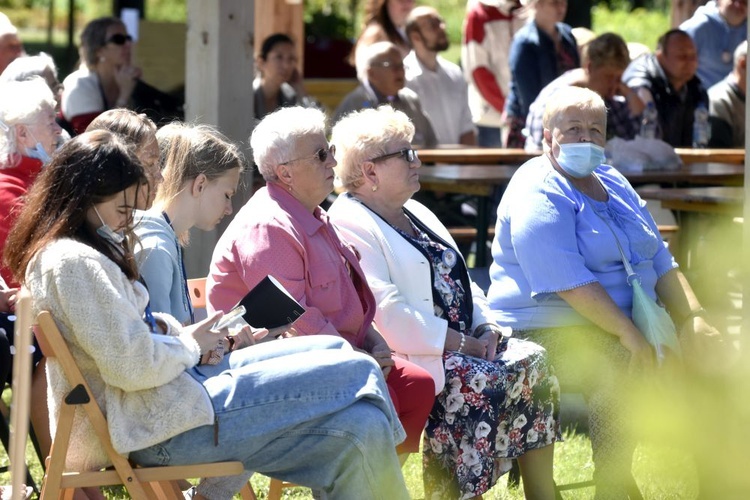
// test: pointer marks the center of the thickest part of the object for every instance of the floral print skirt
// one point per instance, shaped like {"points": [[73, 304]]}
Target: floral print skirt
{"points": [[487, 414]]}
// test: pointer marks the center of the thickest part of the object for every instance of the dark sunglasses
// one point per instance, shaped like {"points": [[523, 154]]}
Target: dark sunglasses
{"points": [[409, 155], [321, 155], [119, 39]]}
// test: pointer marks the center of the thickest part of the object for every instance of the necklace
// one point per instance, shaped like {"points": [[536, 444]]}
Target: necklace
{"points": [[404, 224], [401, 222]]}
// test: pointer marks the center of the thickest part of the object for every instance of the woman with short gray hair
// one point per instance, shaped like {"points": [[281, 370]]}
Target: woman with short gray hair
{"points": [[282, 231], [271, 144], [496, 396]]}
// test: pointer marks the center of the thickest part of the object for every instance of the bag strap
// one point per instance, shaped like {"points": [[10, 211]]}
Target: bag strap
{"points": [[632, 275]]}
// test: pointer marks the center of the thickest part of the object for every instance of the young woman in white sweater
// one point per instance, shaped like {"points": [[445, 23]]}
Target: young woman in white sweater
{"points": [[333, 427]]}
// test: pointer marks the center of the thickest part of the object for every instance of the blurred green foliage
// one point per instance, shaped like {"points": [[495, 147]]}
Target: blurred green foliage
{"points": [[332, 18], [641, 25]]}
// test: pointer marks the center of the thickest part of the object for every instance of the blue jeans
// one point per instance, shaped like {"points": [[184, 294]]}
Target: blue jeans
{"points": [[308, 410]]}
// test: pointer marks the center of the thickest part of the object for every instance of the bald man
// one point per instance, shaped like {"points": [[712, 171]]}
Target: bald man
{"points": [[727, 104], [380, 70]]}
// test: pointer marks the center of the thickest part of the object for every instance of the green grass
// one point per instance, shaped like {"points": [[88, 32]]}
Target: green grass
{"points": [[661, 473]]}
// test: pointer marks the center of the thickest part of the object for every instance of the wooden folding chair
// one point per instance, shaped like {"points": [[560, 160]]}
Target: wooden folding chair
{"points": [[14, 439], [197, 289], [141, 483]]}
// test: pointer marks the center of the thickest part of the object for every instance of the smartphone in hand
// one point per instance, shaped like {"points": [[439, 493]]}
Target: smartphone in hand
{"points": [[229, 318]]}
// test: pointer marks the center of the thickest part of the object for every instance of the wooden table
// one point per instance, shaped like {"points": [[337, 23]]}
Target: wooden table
{"points": [[475, 156], [722, 200], [696, 209], [481, 181], [501, 156], [690, 155], [715, 173]]}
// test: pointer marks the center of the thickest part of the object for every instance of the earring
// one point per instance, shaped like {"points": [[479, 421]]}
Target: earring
{"points": [[374, 188]]}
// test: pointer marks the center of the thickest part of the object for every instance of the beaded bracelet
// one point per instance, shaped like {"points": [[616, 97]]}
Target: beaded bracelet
{"points": [[461, 345]]}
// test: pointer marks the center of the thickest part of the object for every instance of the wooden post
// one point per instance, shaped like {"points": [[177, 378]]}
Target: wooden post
{"points": [[281, 16], [745, 337], [218, 91], [682, 10]]}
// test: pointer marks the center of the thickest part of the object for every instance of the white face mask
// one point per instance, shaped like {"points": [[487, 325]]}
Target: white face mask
{"points": [[107, 232], [580, 159]]}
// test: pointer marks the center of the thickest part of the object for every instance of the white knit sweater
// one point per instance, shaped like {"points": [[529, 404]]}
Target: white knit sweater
{"points": [[139, 380]]}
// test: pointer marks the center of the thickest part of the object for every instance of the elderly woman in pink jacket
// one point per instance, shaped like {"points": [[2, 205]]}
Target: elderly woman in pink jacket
{"points": [[282, 231]]}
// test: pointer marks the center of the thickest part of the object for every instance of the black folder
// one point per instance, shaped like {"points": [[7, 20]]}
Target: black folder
{"points": [[269, 305]]}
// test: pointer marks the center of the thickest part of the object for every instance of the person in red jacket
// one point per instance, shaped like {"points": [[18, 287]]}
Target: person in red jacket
{"points": [[29, 134], [487, 34]]}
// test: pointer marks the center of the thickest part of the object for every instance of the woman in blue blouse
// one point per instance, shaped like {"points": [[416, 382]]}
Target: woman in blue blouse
{"points": [[541, 51], [559, 280]]}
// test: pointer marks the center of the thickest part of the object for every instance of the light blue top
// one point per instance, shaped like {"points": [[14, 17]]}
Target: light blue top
{"points": [[549, 239], [715, 41], [159, 259]]}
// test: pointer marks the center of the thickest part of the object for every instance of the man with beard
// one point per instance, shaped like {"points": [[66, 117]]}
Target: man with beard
{"points": [[439, 84]]}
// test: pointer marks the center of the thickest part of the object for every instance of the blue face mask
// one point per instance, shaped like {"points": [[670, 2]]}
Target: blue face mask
{"points": [[580, 159], [39, 153], [108, 233]]}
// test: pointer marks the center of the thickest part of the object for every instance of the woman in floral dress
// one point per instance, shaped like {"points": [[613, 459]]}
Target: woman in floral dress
{"points": [[497, 398]]}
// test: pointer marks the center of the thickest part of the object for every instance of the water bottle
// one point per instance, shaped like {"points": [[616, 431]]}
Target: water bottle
{"points": [[649, 121], [701, 127]]}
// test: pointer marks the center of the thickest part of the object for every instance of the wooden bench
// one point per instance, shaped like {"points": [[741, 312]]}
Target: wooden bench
{"points": [[330, 91], [467, 234]]}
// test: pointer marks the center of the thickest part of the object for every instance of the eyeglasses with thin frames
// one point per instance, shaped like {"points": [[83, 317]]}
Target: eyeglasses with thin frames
{"points": [[119, 39], [321, 155], [388, 65], [410, 155]]}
